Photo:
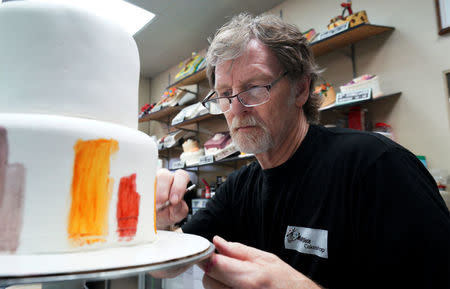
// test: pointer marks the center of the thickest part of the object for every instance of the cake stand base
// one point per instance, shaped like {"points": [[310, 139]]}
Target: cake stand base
{"points": [[170, 251]]}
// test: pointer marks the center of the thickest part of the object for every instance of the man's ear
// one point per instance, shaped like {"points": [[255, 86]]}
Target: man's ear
{"points": [[303, 91]]}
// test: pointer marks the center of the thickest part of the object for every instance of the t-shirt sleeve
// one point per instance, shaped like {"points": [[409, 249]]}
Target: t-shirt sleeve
{"points": [[215, 218], [403, 225]]}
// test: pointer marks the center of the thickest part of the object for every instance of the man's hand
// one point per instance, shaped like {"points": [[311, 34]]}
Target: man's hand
{"points": [[240, 266], [171, 186]]}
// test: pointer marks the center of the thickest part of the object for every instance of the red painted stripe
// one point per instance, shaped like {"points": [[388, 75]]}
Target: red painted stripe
{"points": [[128, 208]]}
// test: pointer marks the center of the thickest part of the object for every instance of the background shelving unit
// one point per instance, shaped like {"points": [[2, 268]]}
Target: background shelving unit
{"points": [[359, 102], [195, 120], [159, 115], [190, 79], [348, 38], [343, 39]]}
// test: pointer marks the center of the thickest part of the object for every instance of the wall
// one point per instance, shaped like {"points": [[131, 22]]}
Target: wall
{"points": [[144, 98], [411, 59]]}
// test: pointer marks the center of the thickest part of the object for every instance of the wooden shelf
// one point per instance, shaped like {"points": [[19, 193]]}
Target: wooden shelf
{"points": [[190, 79], [174, 148], [347, 37], [166, 152], [195, 120], [223, 161], [233, 159], [356, 103], [161, 113]]}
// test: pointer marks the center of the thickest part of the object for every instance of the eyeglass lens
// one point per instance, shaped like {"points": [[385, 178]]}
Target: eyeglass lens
{"points": [[253, 96]]}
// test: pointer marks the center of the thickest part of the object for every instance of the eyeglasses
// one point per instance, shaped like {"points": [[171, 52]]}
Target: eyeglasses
{"points": [[257, 95]]}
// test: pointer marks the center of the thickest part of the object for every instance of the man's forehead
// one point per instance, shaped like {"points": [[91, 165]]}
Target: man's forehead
{"points": [[256, 58]]}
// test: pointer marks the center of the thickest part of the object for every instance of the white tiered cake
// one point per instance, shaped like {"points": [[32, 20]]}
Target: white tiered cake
{"points": [[75, 173]]}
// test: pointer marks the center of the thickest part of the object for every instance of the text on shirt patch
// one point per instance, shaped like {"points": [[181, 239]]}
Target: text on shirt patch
{"points": [[307, 240]]}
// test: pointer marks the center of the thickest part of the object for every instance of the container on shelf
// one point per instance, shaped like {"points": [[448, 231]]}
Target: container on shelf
{"points": [[364, 82]]}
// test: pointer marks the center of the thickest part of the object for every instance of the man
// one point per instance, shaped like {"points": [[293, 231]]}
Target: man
{"points": [[333, 208]]}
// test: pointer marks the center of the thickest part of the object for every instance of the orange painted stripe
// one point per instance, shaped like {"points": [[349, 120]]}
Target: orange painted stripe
{"points": [[91, 191]]}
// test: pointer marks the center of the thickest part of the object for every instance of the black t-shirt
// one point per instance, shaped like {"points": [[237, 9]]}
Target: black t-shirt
{"points": [[348, 209]]}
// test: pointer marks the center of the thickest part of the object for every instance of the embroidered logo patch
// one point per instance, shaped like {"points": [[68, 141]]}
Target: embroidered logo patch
{"points": [[307, 240]]}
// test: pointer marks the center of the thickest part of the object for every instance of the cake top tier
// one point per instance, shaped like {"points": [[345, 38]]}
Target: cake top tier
{"points": [[57, 59]]}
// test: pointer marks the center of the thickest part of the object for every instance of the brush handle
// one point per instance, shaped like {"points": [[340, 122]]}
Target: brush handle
{"points": [[167, 203]]}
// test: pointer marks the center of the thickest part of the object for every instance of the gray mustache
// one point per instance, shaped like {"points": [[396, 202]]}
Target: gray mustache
{"points": [[247, 121]]}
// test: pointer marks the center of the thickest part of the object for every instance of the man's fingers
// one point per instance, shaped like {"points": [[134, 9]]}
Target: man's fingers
{"points": [[171, 215], [204, 264], [236, 250], [164, 180], [178, 188], [222, 267], [240, 266], [171, 186], [210, 283], [178, 212]]}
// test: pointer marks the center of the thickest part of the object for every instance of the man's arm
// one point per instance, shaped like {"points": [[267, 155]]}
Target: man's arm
{"points": [[403, 225], [240, 266]]}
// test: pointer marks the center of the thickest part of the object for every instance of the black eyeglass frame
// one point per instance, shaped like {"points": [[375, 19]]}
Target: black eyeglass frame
{"points": [[267, 86]]}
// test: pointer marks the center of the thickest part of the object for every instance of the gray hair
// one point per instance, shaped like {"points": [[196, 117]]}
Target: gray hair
{"points": [[283, 39]]}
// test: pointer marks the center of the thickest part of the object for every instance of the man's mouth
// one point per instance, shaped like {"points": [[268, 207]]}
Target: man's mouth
{"points": [[243, 128]]}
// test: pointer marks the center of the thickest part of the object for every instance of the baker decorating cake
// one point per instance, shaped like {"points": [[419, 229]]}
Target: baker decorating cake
{"points": [[75, 173]]}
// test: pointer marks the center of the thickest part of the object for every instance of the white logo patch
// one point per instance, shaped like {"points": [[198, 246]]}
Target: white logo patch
{"points": [[307, 240]]}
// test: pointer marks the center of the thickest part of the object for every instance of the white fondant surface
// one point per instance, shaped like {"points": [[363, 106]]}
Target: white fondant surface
{"points": [[61, 60], [168, 246], [44, 145]]}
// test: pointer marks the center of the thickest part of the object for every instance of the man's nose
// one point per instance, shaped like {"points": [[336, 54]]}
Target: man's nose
{"points": [[237, 107]]}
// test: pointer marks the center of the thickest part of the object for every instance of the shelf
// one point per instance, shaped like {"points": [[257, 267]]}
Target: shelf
{"points": [[190, 79], [194, 120], [174, 148], [347, 37], [161, 113], [238, 158], [223, 161], [346, 105], [166, 152]]}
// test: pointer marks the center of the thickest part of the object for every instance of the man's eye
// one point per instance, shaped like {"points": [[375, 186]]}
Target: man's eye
{"points": [[224, 94]]}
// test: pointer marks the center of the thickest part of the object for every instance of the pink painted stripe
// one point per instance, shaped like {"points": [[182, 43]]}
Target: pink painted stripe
{"points": [[12, 183], [3, 161]]}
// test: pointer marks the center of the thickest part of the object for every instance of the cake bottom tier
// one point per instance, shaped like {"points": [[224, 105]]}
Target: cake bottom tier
{"points": [[70, 184]]}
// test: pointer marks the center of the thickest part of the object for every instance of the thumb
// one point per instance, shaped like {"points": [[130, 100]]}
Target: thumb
{"points": [[236, 250]]}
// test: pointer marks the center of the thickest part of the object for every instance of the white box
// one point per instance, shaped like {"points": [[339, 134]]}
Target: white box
{"points": [[198, 204], [372, 83]]}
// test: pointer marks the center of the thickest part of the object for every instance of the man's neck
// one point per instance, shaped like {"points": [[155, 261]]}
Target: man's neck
{"points": [[284, 151]]}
